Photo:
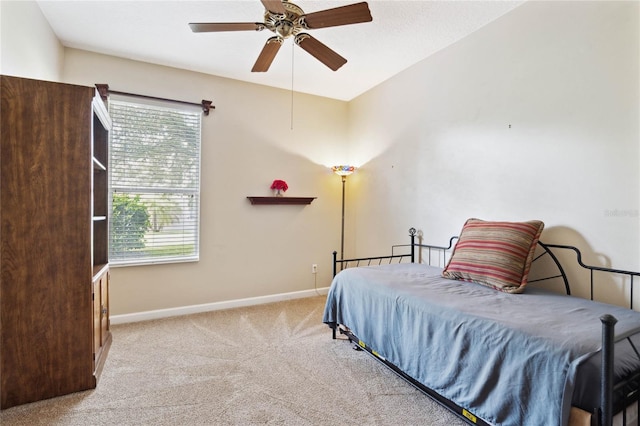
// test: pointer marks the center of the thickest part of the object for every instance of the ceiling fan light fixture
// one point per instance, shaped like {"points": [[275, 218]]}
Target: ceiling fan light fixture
{"points": [[285, 28], [284, 24]]}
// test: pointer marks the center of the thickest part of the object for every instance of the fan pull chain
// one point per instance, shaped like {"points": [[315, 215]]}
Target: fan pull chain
{"points": [[292, 68]]}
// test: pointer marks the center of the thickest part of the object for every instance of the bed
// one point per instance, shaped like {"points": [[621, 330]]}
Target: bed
{"points": [[497, 350]]}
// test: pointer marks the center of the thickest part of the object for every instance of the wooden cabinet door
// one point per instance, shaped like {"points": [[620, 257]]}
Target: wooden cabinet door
{"points": [[101, 333], [104, 308], [97, 325]]}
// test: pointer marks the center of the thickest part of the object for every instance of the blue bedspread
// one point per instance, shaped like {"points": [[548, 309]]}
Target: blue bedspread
{"points": [[510, 359]]}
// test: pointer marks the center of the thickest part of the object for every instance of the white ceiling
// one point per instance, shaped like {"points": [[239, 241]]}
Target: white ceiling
{"points": [[402, 33]]}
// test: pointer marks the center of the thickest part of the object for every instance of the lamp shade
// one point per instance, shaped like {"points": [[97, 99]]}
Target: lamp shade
{"points": [[343, 170]]}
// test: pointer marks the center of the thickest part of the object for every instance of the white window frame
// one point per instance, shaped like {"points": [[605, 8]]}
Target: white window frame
{"points": [[149, 191]]}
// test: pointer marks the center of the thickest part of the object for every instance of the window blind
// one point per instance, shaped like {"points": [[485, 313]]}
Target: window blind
{"points": [[154, 183]]}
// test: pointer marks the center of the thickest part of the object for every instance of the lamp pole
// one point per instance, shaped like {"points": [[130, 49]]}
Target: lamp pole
{"points": [[344, 179], [343, 172]]}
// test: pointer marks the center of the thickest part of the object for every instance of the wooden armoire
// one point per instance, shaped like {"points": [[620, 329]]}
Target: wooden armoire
{"points": [[54, 273]]}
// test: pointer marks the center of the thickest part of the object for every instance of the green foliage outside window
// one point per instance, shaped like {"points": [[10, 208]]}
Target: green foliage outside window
{"points": [[131, 217]]}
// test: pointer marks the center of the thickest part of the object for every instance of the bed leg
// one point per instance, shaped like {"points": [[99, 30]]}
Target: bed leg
{"points": [[412, 234], [606, 385]]}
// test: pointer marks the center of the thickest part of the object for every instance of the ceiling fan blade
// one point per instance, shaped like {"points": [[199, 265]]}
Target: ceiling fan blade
{"points": [[343, 15], [274, 6], [225, 26], [267, 54], [320, 51]]}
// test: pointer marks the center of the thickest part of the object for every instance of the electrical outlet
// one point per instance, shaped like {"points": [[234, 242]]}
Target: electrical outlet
{"points": [[314, 269]]}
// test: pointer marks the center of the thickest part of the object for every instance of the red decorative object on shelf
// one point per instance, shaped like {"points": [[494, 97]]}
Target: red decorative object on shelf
{"points": [[279, 185]]}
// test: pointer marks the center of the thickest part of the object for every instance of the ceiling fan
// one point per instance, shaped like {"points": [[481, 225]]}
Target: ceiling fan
{"points": [[286, 19]]}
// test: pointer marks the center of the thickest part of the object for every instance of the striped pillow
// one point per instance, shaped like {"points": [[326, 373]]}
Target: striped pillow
{"points": [[495, 254]]}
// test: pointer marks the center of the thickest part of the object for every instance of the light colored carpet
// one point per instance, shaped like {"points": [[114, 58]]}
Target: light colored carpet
{"points": [[267, 364]]}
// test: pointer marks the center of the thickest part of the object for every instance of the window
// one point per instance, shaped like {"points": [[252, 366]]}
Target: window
{"points": [[154, 183]]}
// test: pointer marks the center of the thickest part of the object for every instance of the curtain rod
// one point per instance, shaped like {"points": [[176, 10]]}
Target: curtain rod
{"points": [[104, 91]]}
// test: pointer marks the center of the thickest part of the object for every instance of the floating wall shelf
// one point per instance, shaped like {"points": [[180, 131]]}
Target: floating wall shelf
{"points": [[281, 200]]}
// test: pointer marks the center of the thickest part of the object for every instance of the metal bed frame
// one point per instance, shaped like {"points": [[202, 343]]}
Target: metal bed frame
{"points": [[601, 416]]}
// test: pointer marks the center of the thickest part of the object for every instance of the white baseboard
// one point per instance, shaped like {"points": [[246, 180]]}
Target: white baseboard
{"points": [[207, 307]]}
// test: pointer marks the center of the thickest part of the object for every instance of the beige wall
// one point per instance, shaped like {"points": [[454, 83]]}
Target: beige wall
{"points": [[247, 142], [535, 116], [29, 46]]}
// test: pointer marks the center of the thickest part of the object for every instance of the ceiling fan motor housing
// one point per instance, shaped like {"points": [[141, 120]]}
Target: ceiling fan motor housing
{"points": [[287, 24]]}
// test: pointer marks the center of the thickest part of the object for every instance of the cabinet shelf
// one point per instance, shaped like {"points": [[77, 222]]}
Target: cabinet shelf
{"points": [[99, 269], [281, 200]]}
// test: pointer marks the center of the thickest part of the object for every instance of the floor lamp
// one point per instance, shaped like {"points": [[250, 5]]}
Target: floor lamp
{"points": [[343, 172]]}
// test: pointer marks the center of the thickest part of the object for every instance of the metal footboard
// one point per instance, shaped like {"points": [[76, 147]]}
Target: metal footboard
{"points": [[413, 252], [377, 260], [630, 388]]}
